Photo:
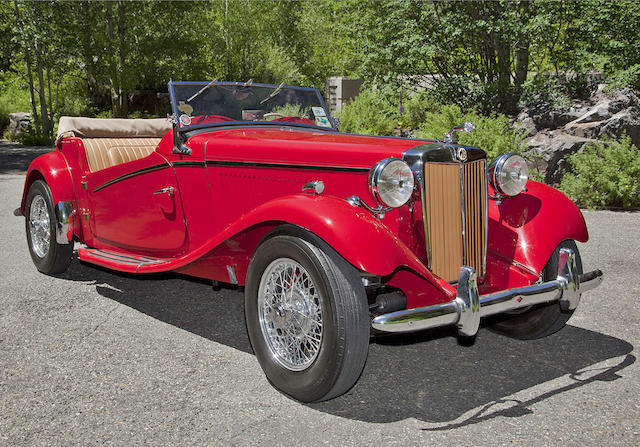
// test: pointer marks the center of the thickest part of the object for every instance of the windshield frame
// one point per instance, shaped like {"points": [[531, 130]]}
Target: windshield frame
{"points": [[176, 113]]}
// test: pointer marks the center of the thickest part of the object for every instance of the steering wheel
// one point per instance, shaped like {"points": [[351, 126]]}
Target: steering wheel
{"points": [[206, 119], [273, 115], [294, 119]]}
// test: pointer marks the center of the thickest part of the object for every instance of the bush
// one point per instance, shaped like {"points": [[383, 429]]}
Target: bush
{"points": [[33, 137], [544, 93], [416, 108], [368, 113], [4, 119], [605, 174], [495, 134]]}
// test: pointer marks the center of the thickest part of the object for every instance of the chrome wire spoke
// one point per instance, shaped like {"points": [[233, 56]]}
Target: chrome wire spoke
{"points": [[290, 313], [39, 227]]}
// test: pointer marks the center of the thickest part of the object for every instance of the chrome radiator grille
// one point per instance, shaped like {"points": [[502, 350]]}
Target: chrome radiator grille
{"points": [[455, 206]]}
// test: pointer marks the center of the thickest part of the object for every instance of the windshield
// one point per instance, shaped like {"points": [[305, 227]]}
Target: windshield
{"points": [[198, 104]]}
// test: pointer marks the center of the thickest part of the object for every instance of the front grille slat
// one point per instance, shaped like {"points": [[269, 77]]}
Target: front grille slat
{"points": [[455, 217]]}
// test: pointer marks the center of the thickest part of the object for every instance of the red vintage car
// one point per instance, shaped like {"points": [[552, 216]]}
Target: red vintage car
{"points": [[334, 236]]}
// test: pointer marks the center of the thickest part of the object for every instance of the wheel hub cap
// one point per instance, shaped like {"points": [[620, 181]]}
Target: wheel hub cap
{"points": [[39, 226], [290, 313]]}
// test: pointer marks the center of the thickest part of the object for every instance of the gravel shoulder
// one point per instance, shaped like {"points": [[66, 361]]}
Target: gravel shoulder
{"points": [[93, 356]]}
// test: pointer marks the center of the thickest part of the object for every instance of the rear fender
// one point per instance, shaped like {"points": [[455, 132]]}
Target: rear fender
{"points": [[53, 169], [528, 227]]}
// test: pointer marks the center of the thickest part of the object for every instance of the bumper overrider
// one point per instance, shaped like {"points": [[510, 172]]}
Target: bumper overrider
{"points": [[468, 307]]}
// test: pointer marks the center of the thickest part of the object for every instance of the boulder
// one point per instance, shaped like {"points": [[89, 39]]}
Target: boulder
{"points": [[556, 134], [19, 122], [550, 151]]}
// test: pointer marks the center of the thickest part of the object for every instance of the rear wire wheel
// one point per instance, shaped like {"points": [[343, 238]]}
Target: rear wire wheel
{"points": [[544, 319], [307, 317], [47, 254]]}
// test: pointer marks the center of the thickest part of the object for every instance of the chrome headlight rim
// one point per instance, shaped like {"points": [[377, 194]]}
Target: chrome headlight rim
{"points": [[375, 176], [497, 168]]}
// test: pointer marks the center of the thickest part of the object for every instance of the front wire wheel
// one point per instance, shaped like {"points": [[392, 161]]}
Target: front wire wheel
{"points": [[290, 313], [307, 317]]}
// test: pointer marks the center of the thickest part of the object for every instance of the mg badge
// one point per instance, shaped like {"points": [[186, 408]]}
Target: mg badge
{"points": [[462, 154]]}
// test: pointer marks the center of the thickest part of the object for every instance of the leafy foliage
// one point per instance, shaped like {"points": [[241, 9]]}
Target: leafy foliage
{"points": [[605, 175], [368, 114], [291, 109]]}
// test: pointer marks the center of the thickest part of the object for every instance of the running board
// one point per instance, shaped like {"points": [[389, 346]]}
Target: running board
{"points": [[122, 261]]}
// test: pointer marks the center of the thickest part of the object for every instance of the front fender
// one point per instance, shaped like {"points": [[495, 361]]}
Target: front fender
{"points": [[53, 169], [360, 238], [364, 241], [528, 227]]}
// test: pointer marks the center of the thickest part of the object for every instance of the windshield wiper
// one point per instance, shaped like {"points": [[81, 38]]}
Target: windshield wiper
{"points": [[199, 92], [273, 94]]}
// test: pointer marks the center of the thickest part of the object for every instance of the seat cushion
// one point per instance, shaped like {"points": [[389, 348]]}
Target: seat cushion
{"points": [[103, 153]]}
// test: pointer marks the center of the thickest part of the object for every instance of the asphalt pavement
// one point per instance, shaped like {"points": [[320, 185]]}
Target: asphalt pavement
{"points": [[97, 357]]}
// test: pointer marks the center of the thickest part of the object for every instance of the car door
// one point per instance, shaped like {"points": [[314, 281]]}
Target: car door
{"points": [[137, 206]]}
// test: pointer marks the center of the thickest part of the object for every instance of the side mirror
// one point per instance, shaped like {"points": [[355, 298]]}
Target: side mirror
{"points": [[178, 145]]}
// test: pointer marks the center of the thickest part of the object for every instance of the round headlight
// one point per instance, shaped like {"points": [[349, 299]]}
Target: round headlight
{"points": [[391, 182], [509, 174]]}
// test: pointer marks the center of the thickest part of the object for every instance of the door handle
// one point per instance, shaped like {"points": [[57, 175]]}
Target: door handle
{"points": [[168, 190]]}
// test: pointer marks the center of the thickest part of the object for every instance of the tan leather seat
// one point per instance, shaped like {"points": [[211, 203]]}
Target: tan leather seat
{"points": [[103, 153]]}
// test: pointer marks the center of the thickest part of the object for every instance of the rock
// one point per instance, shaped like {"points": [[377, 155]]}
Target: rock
{"points": [[19, 122], [597, 113], [556, 134], [550, 151], [525, 123], [625, 122]]}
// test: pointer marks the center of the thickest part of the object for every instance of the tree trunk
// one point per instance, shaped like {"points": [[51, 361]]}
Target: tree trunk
{"points": [[44, 115], [522, 53], [123, 103], [51, 118], [27, 56], [115, 99], [96, 94]]}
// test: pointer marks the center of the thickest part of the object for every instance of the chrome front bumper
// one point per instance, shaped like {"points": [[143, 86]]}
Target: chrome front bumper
{"points": [[468, 307]]}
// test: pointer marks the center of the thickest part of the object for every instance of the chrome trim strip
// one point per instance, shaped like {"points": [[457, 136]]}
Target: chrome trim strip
{"points": [[486, 219], [513, 262], [466, 312], [63, 211], [194, 164], [257, 164], [125, 259], [463, 216], [132, 174]]}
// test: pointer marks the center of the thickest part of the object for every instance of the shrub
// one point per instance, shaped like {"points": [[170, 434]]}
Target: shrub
{"points": [[495, 134], [544, 93], [416, 108], [34, 137], [369, 114], [605, 174], [4, 119]]}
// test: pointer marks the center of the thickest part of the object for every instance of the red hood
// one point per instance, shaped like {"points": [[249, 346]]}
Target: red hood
{"points": [[300, 146]]}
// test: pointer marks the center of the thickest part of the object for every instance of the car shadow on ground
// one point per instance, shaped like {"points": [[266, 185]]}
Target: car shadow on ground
{"points": [[15, 157], [429, 376]]}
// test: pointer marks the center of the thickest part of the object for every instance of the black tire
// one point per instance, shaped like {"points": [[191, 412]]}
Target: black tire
{"points": [[545, 319], [50, 257], [344, 340]]}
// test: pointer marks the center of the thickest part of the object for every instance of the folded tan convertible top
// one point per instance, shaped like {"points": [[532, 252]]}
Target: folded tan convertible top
{"points": [[70, 126]]}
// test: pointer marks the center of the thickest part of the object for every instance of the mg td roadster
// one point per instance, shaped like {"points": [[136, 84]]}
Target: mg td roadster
{"points": [[334, 236]]}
